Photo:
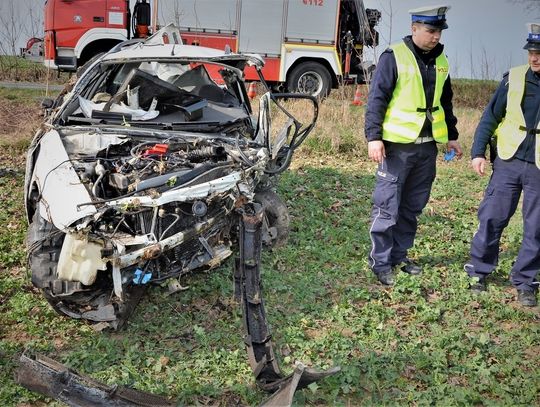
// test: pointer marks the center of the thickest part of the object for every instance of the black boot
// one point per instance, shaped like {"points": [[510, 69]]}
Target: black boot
{"points": [[527, 298], [476, 287], [479, 286], [386, 277], [409, 267]]}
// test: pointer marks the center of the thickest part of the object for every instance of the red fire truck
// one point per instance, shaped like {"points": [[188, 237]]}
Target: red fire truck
{"points": [[308, 45]]}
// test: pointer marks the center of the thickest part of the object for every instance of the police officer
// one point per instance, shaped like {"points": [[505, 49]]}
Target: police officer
{"points": [[512, 116], [409, 110]]}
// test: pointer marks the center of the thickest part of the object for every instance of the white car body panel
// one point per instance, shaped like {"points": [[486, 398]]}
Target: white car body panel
{"points": [[59, 185], [184, 194]]}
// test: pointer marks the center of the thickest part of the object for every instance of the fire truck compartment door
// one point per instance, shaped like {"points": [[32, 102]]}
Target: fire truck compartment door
{"points": [[261, 28], [210, 16], [312, 21]]}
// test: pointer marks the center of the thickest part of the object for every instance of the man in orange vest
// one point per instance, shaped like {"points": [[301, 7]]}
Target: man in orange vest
{"points": [[513, 116]]}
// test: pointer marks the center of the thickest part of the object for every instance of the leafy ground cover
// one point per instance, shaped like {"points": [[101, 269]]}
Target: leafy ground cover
{"points": [[426, 341]]}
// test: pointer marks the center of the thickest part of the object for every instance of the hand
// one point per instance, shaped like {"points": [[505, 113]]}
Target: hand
{"points": [[479, 165], [376, 151], [454, 145]]}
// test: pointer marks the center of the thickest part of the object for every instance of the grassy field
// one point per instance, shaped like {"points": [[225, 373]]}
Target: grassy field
{"points": [[426, 341], [20, 69]]}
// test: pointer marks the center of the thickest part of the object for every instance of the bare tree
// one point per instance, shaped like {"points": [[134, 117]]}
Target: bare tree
{"points": [[21, 21], [388, 19], [35, 20], [532, 6], [178, 13], [472, 61], [11, 19], [455, 65], [488, 65]]}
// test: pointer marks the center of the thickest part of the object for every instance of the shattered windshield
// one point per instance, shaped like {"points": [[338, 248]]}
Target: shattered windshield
{"points": [[166, 95]]}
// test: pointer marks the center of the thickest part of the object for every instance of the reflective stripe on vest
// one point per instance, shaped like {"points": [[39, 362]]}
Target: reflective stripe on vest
{"points": [[407, 111], [512, 130]]}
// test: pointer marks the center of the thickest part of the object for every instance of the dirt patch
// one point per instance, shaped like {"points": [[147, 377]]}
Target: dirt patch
{"points": [[19, 121]]}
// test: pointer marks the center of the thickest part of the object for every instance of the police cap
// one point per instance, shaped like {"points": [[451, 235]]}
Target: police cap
{"points": [[434, 16], [533, 40]]}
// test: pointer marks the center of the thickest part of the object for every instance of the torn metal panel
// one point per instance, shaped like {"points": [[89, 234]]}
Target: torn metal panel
{"points": [[60, 186], [182, 195], [300, 378], [257, 333], [52, 379]]}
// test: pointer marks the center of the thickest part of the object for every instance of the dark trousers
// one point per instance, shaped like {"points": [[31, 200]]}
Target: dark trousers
{"points": [[501, 198], [401, 192]]}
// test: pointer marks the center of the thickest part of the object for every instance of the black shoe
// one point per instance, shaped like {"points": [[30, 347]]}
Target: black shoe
{"points": [[409, 267], [527, 298], [476, 287], [479, 287], [386, 277]]}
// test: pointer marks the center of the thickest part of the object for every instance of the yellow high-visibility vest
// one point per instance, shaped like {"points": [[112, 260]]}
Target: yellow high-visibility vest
{"points": [[512, 130], [407, 111]]}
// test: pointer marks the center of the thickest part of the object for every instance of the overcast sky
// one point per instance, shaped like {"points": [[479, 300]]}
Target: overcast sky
{"points": [[484, 40]]}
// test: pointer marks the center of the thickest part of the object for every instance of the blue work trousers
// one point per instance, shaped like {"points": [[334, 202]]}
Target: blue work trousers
{"points": [[403, 185], [501, 198]]}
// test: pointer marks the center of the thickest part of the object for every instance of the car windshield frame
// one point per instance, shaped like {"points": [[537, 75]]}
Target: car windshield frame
{"points": [[109, 61]]}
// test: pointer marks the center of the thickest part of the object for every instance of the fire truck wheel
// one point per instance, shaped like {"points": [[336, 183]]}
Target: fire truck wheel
{"points": [[311, 78]]}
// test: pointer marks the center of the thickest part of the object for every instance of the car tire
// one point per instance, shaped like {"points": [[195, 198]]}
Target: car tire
{"points": [[311, 78], [45, 242], [276, 222]]}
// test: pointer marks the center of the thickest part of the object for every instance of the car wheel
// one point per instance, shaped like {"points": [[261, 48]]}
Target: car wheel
{"points": [[44, 242], [276, 220], [72, 298], [311, 78]]}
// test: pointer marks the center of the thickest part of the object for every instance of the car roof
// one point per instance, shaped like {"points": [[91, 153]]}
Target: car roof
{"points": [[178, 52], [156, 48]]}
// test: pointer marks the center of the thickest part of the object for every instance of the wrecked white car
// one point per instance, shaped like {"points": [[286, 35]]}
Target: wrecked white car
{"points": [[138, 175], [153, 165]]}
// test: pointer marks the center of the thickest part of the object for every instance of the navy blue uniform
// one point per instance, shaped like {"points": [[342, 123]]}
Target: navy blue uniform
{"points": [[508, 179], [405, 177]]}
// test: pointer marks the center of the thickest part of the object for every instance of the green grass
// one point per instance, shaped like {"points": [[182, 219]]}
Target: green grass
{"points": [[471, 93], [21, 69], [426, 341], [25, 95]]}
